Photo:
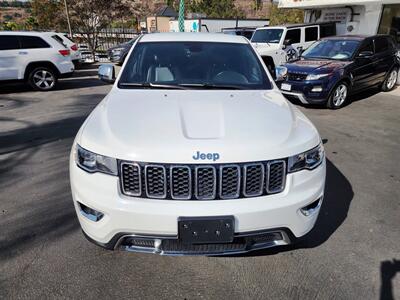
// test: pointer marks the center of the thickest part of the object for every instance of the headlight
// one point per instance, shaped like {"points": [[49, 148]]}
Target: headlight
{"points": [[317, 76], [307, 160], [281, 72], [92, 162], [117, 51]]}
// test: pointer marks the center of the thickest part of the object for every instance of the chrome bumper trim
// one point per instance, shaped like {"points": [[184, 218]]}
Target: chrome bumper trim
{"points": [[300, 96], [158, 242]]}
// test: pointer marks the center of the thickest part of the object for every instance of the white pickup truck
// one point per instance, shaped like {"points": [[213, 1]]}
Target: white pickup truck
{"points": [[280, 44], [195, 152]]}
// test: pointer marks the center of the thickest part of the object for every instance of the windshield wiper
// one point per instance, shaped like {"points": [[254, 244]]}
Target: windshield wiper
{"points": [[212, 86], [150, 85]]}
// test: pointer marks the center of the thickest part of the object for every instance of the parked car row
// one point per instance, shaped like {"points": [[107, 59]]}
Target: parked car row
{"points": [[314, 66], [38, 58], [41, 58], [335, 67]]}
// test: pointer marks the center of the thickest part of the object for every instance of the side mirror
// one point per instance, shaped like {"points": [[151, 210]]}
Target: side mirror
{"points": [[286, 43], [365, 54], [107, 73]]}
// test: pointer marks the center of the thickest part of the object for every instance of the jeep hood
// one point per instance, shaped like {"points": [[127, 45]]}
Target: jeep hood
{"points": [[266, 48], [314, 65], [172, 125]]}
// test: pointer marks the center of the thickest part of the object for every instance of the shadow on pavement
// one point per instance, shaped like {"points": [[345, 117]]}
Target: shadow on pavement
{"points": [[337, 199], [389, 269], [36, 135], [67, 84], [34, 163], [364, 95]]}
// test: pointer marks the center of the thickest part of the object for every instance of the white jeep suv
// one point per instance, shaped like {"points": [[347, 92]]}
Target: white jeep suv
{"points": [[37, 58], [195, 151], [280, 44]]}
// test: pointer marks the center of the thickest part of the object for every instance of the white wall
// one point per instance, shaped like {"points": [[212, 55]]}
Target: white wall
{"points": [[365, 23], [215, 25]]}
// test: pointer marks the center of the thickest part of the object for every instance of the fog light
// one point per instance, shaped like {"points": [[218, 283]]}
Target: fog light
{"points": [[311, 208], [90, 213], [316, 89]]}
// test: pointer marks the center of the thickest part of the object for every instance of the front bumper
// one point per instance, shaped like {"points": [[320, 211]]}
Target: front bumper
{"points": [[164, 245], [157, 220], [303, 91]]}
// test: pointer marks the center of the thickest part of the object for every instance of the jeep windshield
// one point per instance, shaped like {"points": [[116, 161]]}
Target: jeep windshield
{"points": [[194, 65], [270, 36], [332, 49]]}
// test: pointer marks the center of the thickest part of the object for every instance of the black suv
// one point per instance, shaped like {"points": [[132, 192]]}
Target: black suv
{"points": [[334, 67]]}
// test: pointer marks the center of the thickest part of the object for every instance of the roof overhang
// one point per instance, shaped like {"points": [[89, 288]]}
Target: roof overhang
{"points": [[328, 3]]}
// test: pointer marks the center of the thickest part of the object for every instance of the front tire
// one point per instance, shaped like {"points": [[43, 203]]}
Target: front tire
{"points": [[390, 80], [42, 79], [338, 96]]}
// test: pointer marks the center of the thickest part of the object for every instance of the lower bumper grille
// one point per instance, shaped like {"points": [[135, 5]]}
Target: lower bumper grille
{"points": [[172, 246]]}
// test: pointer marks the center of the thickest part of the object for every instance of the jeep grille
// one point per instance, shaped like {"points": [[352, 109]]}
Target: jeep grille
{"points": [[202, 182]]}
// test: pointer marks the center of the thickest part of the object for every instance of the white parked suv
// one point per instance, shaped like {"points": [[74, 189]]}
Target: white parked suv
{"points": [[76, 55], [37, 58], [195, 151], [280, 44]]}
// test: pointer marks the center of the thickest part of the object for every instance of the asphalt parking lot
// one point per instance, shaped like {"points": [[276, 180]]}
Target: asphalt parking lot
{"points": [[353, 252]]}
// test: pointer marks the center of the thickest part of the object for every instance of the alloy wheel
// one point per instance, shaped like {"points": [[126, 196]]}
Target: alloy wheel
{"points": [[43, 79], [391, 80], [340, 95]]}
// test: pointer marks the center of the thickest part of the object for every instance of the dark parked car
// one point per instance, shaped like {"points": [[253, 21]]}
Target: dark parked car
{"points": [[333, 68], [117, 54]]}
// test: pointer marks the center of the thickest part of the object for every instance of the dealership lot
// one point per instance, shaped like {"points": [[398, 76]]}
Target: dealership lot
{"points": [[350, 254]]}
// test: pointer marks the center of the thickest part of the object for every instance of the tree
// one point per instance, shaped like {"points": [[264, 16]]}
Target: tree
{"points": [[10, 26], [283, 15], [216, 8], [31, 23], [90, 17], [49, 14], [173, 3], [257, 4]]}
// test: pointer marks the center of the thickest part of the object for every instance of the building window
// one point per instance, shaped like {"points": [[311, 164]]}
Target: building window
{"points": [[327, 30], [390, 21]]}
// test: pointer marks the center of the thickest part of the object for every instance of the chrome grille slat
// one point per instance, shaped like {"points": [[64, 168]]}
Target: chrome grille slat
{"points": [[132, 183], [276, 176], [229, 181], [202, 182], [156, 181], [180, 182], [253, 179], [205, 182]]}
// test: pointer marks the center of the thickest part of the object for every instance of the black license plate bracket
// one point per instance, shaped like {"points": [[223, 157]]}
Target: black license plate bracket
{"points": [[206, 230]]}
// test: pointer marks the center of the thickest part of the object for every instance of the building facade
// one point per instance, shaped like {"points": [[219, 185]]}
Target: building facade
{"points": [[353, 16]]}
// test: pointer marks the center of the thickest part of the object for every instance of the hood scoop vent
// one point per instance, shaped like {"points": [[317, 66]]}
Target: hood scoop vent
{"points": [[202, 120]]}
